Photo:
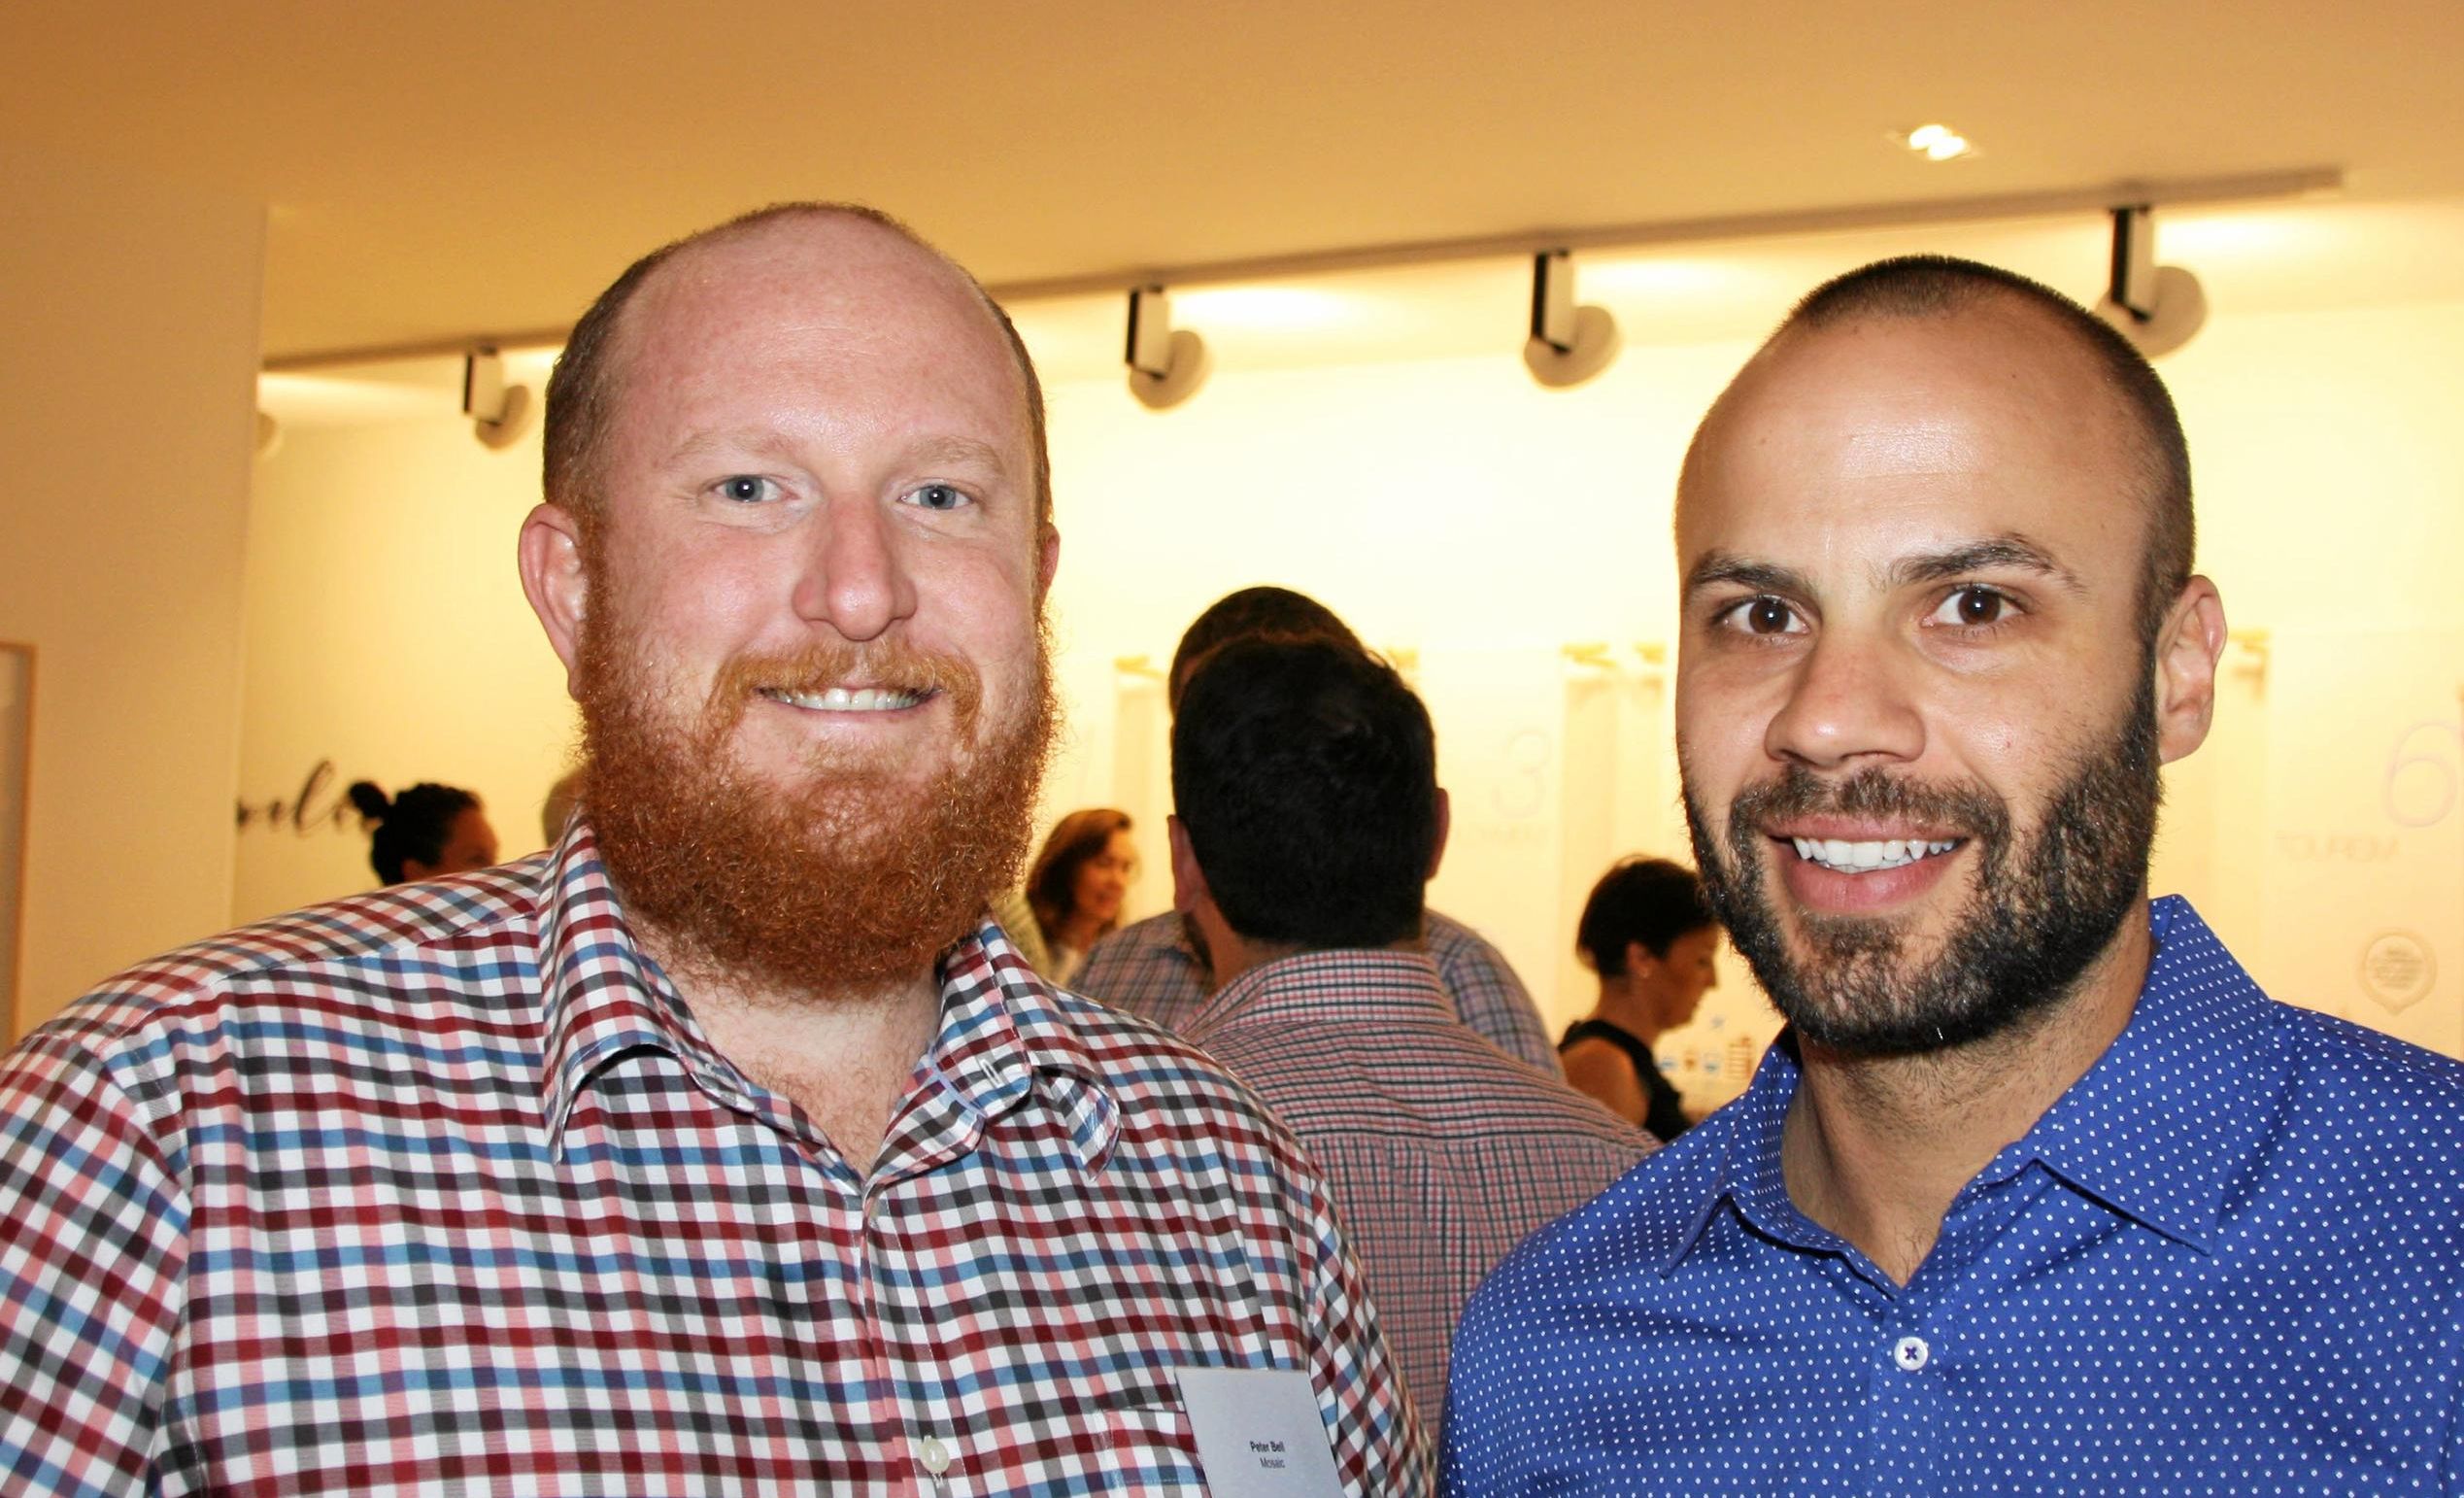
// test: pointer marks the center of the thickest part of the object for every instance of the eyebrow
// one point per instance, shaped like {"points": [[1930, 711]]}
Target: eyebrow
{"points": [[763, 442], [2012, 552], [1718, 568]]}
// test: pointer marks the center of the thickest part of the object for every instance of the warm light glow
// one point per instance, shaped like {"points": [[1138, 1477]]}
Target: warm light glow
{"points": [[1937, 142], [1266, 308], [1663, 275]]}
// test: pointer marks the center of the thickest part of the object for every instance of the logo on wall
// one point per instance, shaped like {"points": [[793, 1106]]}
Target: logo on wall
{"points": [[2398, 970], [319, 804]]}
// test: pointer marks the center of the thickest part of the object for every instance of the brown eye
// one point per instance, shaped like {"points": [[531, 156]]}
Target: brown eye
{"points": [[1978, 605], [1766, 616]]}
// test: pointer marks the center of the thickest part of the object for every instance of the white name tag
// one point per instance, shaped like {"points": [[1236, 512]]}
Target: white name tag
{"points": [[1259, 1433]]}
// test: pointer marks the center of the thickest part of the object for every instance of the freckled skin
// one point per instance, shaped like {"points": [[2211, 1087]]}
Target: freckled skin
{"points": [[845, 368]]}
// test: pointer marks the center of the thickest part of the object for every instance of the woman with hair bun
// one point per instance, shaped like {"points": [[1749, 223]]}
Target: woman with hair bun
{"points": [[427, 830]]}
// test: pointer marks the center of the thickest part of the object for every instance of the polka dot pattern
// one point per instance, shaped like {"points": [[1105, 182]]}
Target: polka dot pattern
{"points": [[2229, 1260]]}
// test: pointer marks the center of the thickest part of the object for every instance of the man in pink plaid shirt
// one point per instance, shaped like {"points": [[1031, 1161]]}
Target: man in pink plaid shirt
{"points": [[726, 1147], [1443, 1153]]}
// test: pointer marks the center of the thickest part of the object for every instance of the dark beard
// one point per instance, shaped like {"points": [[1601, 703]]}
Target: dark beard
{"points": [[2040, 913], [847, 882]]}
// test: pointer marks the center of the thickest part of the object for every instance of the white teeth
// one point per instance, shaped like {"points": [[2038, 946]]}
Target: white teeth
{"points": [[1845, 857], [838, 699]]}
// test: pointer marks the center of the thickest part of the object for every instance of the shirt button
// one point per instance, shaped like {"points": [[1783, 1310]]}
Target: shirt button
{"points": [[933, 1454], [1911, 1353]]}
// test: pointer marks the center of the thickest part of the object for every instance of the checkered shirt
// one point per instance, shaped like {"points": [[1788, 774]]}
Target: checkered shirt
{"points": [[1442, 1152], [1148, 968], [441, 1190]]}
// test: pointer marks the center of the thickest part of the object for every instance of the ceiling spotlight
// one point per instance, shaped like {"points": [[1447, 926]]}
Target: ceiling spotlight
{"points": [[1937, 143], [2156, 307], [498, 411], [1568, 344], [1165, 367]]}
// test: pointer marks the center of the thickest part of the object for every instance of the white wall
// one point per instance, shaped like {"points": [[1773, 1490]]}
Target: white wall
{"points": [[1451, 510], [127, 379], [388, 635]]}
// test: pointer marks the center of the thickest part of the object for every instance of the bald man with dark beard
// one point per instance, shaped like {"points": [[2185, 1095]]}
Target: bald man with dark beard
{"points": [[2038, 1192]]}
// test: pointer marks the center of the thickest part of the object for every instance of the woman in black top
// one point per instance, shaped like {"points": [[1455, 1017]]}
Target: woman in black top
{"points": [[1651, 938]]}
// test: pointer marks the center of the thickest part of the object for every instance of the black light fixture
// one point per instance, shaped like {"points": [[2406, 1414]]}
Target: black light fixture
{"points": [[1166, 365], [498, 411], [1568, 344], [2156, 307]]}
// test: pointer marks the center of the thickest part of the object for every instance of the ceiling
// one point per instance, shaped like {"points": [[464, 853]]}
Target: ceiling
{"points": [[453, 168]]}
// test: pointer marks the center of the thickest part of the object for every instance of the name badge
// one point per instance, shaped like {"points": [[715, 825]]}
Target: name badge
{"points": [[1259, 1433]]}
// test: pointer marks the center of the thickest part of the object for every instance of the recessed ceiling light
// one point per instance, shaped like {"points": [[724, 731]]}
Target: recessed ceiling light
{"points": [[1937, 143]]}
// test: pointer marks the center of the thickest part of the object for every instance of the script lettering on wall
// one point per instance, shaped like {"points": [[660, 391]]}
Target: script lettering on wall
{"points": [[319, 806]]}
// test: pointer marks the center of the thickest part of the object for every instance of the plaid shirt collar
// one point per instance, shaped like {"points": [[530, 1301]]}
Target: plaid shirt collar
{"points": [[1401, 986], [1004, 1036]]}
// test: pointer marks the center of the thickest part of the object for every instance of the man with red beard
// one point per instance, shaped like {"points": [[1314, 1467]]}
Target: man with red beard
{"points": [[726, 1147], [2038, 1191]]}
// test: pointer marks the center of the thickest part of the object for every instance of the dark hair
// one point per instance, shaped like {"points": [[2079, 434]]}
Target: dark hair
{"points": [[1934, 286], [582, 388], [1052, 884], [1305, 775], [412, 826], [1265, 612], [1645, 900]]}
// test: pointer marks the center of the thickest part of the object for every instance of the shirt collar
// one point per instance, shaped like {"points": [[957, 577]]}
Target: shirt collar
{"points": [[1003, 1029], [2155, 1130], [1399, 985], [2174, 1109]]}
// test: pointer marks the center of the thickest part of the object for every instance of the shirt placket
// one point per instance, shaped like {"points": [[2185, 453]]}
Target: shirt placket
{"points": [[897, 1256], [1916, 1351]]}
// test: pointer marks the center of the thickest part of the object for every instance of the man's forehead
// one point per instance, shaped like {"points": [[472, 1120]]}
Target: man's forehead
{"points": [[821, 269], [1863, 422]]}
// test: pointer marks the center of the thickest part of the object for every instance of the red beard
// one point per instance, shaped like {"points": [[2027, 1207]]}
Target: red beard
{"points": [[849, 882]]}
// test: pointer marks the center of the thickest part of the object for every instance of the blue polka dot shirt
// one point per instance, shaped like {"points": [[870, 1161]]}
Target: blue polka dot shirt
{"points": [[2229, 1260]]}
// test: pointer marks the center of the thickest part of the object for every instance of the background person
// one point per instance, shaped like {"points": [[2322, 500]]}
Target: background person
{"points": [[1647, 933], [1077, 885], [1156, 967], [1444, 1152], [423, 833]]}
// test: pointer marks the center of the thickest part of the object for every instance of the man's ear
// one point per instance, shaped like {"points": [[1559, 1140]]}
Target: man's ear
{"points": [[2188, 647], [1445, 821], [1188, 881], [1047, 558], [553, 579]]}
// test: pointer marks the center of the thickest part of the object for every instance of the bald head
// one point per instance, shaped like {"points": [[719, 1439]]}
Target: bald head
{"points": [[583, 393], [2138, 418]]}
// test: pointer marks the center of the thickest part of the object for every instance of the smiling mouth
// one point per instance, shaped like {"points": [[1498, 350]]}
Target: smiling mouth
{"points": [[842, 699], [1840, 856]]}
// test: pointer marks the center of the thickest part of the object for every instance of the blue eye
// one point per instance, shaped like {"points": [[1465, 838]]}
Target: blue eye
{"points": [[938, 496], [745, 488]]}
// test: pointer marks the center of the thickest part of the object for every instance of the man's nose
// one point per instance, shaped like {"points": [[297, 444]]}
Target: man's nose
{"points": [[856, 580], [1848, 701]]}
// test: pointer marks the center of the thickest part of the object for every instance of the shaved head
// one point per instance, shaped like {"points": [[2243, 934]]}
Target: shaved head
{"points": [[1933, 286]]}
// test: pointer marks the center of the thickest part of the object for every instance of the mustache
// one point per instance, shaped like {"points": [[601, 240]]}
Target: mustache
{"points": [[1872, 792], [886, 662]]}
